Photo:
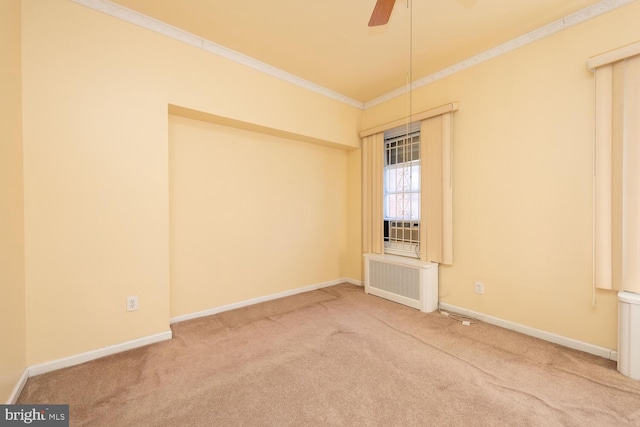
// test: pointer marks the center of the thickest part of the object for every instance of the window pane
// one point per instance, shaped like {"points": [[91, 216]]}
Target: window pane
{"points": [[402, 206], [402, 178], [414, 212], [390, 180], [415, 177], [402, 192]]}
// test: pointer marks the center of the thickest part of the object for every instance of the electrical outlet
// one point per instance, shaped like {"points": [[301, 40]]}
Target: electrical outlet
{"points": [[479, 288], [132, 303]]}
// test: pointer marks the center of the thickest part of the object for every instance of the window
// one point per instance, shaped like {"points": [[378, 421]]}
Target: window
{"points": [[402, 191], [434, 219]]}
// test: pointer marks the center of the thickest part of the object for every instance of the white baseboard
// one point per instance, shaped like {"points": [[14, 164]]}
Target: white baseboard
{"points": [[537, 333], [13, 397], [129, 345], [245, 303], [96, 354], [354, 282]]}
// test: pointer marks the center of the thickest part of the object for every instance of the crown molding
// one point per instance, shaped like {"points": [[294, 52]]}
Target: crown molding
{"points": [[533, 36], [144, 21], [136, 18]]}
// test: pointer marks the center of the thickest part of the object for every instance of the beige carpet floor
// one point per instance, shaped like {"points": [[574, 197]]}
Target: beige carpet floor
{"points": [[337, 356]]}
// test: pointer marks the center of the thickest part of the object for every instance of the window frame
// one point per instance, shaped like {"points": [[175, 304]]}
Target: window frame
{"points": [[408, 244]]}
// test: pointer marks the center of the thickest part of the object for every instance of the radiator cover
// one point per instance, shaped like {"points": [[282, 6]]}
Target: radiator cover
{"points": [[404, 280]]}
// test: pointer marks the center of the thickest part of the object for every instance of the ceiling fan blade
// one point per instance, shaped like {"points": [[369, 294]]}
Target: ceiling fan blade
{"points": [[381, 12]]}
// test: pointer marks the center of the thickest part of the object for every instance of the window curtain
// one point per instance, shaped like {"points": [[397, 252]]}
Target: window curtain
{"points": [[436, 229], [372, 193], [617, 169]]}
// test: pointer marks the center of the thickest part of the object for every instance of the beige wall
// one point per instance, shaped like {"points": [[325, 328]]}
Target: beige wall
{"points": [[12, 302], [522, 155], [100, 148], [251, 214], [96, 96]]}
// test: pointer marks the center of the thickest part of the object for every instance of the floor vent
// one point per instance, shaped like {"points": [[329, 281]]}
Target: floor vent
{"points": [[404, 280]]}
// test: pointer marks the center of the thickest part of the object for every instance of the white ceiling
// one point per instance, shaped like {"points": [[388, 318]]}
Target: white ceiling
{"points": [[329, 43]]}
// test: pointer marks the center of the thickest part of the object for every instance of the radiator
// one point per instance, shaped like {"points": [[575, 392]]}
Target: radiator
{"points": [[404, 280]]}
